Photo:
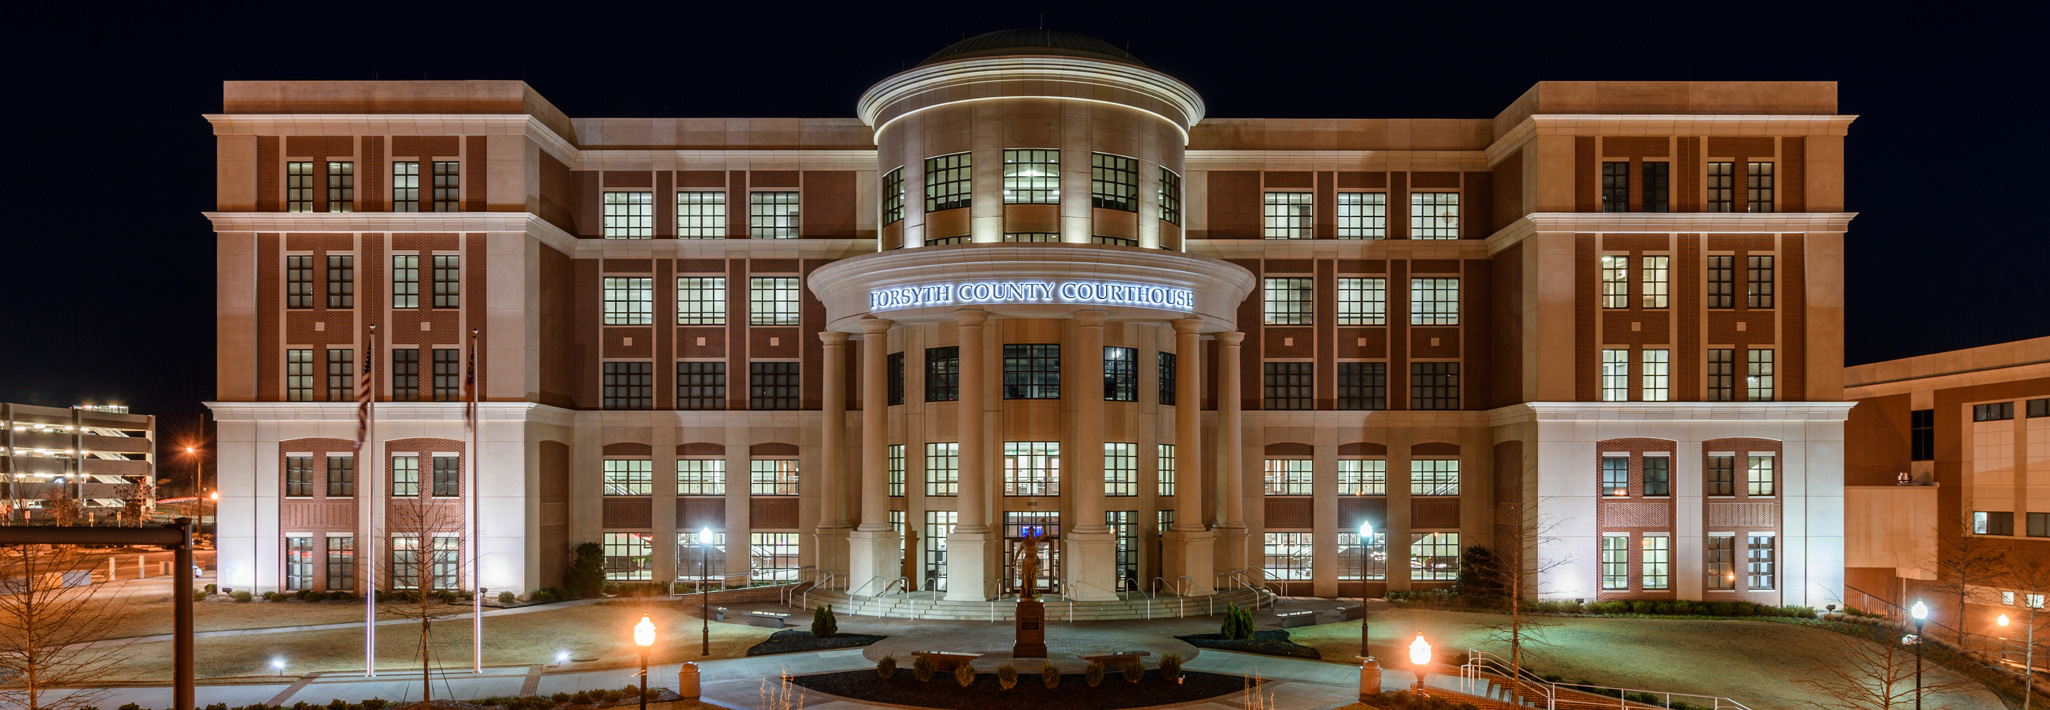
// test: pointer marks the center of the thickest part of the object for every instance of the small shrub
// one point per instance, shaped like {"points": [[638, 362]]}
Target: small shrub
{"points": [[1800, 612], [586, 576], [313, 596], [1640, 607], [613, 696], [922, 668], [241, 596], [217, 706], [542, 596], [1171, 666], [823, 623], [374, 703], [1683, 608], [506, 597], [560, 697], [211, 589], [1093, 674], [1007, 676], [886, 668], [199, 595], [1719, 608], [583, 697], [337, 704], [133, 706], [1050, 676], [964, 674], [1745, 608], [1134, 671]]}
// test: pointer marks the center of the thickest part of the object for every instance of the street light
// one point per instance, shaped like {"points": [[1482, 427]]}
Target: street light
{"points": [[1419, 656], [704, 592], [2029, 657], [644, 636], [1921, 613], [1366, 534]]}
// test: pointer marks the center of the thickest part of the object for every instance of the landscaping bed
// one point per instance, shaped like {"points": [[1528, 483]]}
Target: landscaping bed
{"points": [[1272, 642], [1074, 692], [797, 640]]}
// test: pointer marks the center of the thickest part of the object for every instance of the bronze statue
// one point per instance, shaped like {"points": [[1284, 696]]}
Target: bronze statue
{"points": [[1027, 564]]}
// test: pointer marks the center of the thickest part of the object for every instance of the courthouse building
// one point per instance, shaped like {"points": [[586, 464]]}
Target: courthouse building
{"points": [[1030, 289]]}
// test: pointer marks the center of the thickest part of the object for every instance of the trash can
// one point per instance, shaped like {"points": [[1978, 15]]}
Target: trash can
{"points": [[687, 681], [1370, 678]]}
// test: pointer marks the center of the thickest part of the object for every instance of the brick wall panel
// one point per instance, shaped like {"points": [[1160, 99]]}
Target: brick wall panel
{"points": [[373, 193], [1434, 513], [1326, 204], [772, 343], [425, 148], [559, 351], [1473, 336], [1249, 319], [736, 204], [1688, 362], [1793, 303], [1757, 328], [1652, 327], [689, 347], [812, 367], [629, 513], [586, 221], [1353, 510], [1349, 180], [693, 179], [476, 330], [629, 342], [269, 168], [736, 334], [1363, 448], [1636, 146], [627, 448], [698, 512], [1586, 184], [1234, 205], [1327, 332], [1477, 206], [476, 173], [701, 448], [1398, 335], [1446, 347], [1398, 205], [1740, 146], [1362, 343], [772, 513], [1505, 354], [1290, 513], [1290, 180], [774, 178], [1792, 175], [1434, 180], [628, 179], [556, 196], [828, 204], [665, 205], [585, 317], [665, 333], [1687, 176], [1586, 284], [270, 302]]}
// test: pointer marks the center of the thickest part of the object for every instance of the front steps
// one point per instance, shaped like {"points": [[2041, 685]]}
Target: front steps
{"points": [[923, 605]]}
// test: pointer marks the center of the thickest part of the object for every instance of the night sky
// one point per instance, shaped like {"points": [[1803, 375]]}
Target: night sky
{"points": [[107, 276]]}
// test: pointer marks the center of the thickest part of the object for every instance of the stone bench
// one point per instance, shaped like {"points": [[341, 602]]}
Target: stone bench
{"points": [[1292, 619], [947, 661], [1352, 613], [767, 620], [1114, 661]]}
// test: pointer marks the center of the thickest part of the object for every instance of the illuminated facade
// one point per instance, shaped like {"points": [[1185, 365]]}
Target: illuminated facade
{"points": [[80, 465], [1032, 288]]}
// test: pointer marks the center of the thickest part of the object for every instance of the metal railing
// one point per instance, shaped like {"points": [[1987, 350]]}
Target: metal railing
{"points": [[1525, 685]]}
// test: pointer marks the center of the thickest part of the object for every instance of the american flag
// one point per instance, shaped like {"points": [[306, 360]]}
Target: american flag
{"points": [[364, 397]]}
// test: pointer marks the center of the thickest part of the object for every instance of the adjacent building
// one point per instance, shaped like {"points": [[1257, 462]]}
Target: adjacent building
{"points": [[83, 465], [1031, 289]]}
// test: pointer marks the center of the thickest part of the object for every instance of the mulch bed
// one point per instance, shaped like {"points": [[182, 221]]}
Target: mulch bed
{"points": [[797, 640], [1272, 642], [1030, 694]]}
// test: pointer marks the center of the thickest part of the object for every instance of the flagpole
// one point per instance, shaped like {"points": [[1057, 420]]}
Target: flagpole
{"points": [[476, 520], [371, 469]]}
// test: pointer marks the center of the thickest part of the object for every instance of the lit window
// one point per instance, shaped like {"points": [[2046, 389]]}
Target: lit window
{"points": [[448, 281], [629, 215], [1120, 374], [1656, 283], [1288, 477], [699, 559], [405, 476], [1032, 371], [1655, 387], [1114, 182], [1616, 186], [1114, 241], [1032, 468], [1615, 281], [1363, 301], [341, 476], [1288, 555], [1721, 186], [448, 186], [942, 468], [341, 562], [1363, 477], [1764, 568], [448, 476], [701, 300], [1434, 477], [631, 477], [947, 180], [772, 300], [299, 375], [1999, 522], [1350, 557], [1362, 386], [1433, 385], [700, 477], [1165, 458], [1758, 281], [939, 525], [1758, 188], [773, 557], [944, 241], [772, 385], [1615, 375], [893, 196], [1289, 215], [405, 281], [629, 556], [298, 282], [1434, 215], [1719, 562], [1170, 196], [1658, 476], [1434, 557], [341, 281], [1290, 301], [405, 562], [341, 187], [1289, 385], [772, 215], [1434, 301], [1615, 562], [1758, 377], [629, 300], [700, 215], [405, 186], [299, 187], [700, 385], [1120, 469], [1032, 177], [1758, 476], [1616, 476], [1032, 237], [1362, 215], [629, 385], [893, 466], [772, 477]]}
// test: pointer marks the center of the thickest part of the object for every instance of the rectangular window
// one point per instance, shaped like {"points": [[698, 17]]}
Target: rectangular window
{"points": [[1922, 434], [700, 385], [1434, 215], [1616, 476], [341, 563], [939, 525], [405, 375], [1758, 375], [1434, 301], [1165, 469], [1362, 386], [1758, 476], [1170, 196], [1350, 557], [1288, 477], [943, 374], [772, 386], [1362, 215], [1163, 520], [1363, 301], [1120, 469], [298, 282], [1114, 241], [942, 468], [772, 477], [700, 557], [1289, 385], [1433, 385], [1615, 375], [1615, 281], [341, 375], [1658, 476], [1764, 567], [1289, 215], [1722, 186], [947, 180], [299, 187], [2039, 525], [1758, 188], [1657, 186], [1995, 412], [893, 467], [298, 476], [1288, 555], [624, 477], [893, 196], [447, 559], [1032, 468], [1124, 528], [1722, 476], [1719, 562], [1363, 477], [341, 476], [1165, 364], [629, 215], [405, 281], [299, 375], [772, 215], [1616, 186], [1032, 237], [1656, 282], [1993, 522], [448, 281], [1290, 301], [702, 215], [448, 375], [774, 556], [405, 561], [894, 374], [944, 241], [1120, 374], [1434, 477], [341, 281], [341, 187], [1114, 182], [700, 300], [700, 477], [1615, 562], [629, 385], [448, 476], [1032, 371], [1434, 557], [298, 562], [1758, 281], [772, 300], [1722, 375], [629, 556], [448, 186], [1032, 177], [2039, 408], [1656, 386], [1722, 279], [405, 186], [405, 476]]}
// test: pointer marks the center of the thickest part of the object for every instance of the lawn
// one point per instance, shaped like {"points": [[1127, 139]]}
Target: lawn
{"points": [[1758, 663]]}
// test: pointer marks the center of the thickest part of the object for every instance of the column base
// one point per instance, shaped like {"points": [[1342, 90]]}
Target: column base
{"points": [[971, 566], [1231, 547], [872, 561], [1091, 562], [1190, 554], [831, 555]]}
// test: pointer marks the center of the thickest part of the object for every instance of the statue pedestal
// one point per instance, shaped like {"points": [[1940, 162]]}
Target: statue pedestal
{"points": [[1031, 641]]}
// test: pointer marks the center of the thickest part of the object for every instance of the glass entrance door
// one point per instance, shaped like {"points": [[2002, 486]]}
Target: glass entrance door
{"points": [[1019, 525]]}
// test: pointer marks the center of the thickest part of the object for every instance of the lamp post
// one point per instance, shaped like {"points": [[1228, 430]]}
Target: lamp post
{"points": [[2028, 656], [704, 592], [1366, 534], [1921, 613], [1420, 657], [644, 637]]}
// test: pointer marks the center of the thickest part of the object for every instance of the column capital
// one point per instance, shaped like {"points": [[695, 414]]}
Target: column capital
{"points": [[875, 326], [1190, 326], [970, 316], [1231, 339], [1091, 319], [833, 338]]}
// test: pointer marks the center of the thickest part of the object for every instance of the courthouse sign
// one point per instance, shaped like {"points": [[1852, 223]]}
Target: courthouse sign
{"points": [[997, 292]]}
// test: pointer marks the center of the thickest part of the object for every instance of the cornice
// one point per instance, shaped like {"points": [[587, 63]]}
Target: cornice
{"points": [[1576, 124], [1227, 159], [1041, 77], [1671, 411], [452, 222], [395, 124], [716, 159], [1701, 222], [1339, 248], [390, 411], [722, 248]]}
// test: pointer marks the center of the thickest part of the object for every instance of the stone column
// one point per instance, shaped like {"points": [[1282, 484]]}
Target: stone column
{"points": [[872, 548], [1231, 518], [1189, 547], [972, 549], [1091, 550], [832, 530]]}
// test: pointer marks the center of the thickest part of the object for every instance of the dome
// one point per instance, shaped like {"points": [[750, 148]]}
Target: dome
{"points": [[1056, 42]]}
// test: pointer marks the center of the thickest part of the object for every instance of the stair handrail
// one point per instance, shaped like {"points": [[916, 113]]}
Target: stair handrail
{"points": [[1479, 661], [885, 591]]}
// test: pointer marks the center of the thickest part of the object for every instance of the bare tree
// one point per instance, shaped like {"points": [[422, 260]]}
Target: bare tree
{"points": [[1519, 532], [1870, 668], [135, 501], [50, 633], [64, 509], [1965, 564], [432, 530]]}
